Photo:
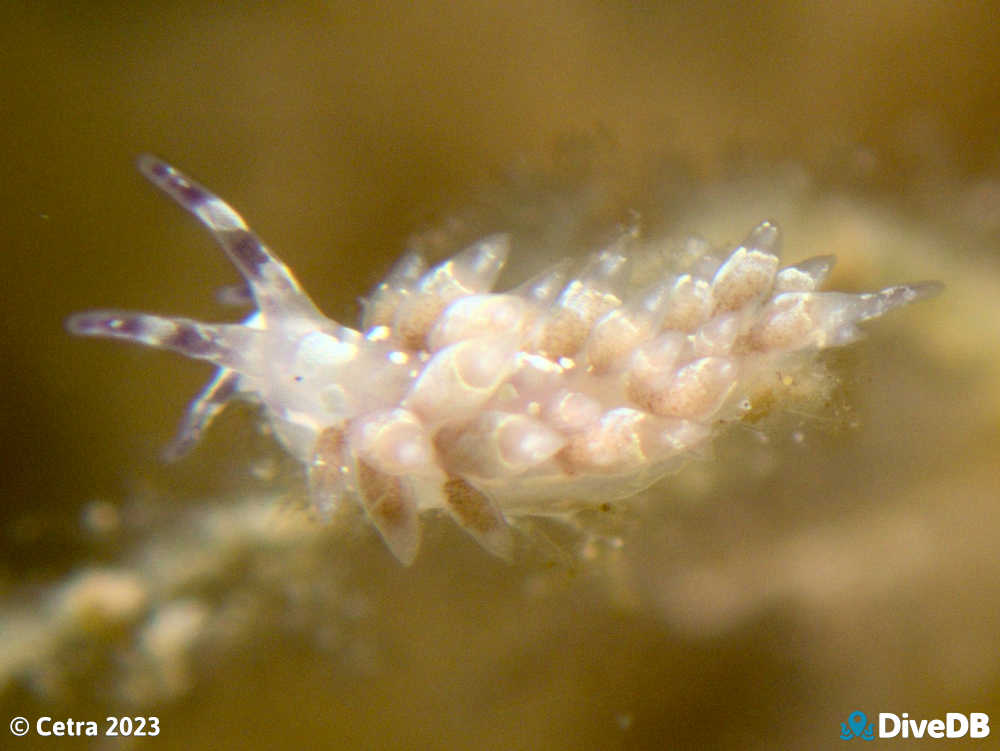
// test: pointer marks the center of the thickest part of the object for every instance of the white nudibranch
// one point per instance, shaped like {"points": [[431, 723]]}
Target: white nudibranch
{"points": [[568, 389]]}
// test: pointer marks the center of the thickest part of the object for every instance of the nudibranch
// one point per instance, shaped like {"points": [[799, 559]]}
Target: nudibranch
{"points": [[571, 388]]}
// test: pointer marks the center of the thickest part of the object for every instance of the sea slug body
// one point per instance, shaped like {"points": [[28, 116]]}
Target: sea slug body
{"points": [[569, 387]]}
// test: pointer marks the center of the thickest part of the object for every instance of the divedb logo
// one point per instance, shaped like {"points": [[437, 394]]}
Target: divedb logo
{"points": [[954, 725]]}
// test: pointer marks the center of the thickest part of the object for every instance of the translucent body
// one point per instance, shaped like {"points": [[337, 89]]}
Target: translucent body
{"points": [[566, 389]]}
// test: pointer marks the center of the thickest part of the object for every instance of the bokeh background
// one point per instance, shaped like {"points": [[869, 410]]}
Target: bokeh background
{"points": [[839, 557]]}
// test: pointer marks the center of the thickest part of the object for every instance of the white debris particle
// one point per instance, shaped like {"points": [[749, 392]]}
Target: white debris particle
{"points": [[100, 600]]}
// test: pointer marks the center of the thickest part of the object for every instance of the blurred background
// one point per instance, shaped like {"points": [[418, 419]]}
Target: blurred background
{"points": [[839, 557]]}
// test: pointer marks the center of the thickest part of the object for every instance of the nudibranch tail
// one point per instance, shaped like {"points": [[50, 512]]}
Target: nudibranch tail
{"points": [[564, 391]]}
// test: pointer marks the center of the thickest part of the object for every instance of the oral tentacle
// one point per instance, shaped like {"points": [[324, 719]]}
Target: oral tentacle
{"points": [[205, 408], [228, 345]]}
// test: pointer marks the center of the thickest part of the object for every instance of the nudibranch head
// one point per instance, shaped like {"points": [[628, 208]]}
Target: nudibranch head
{"points": [[569, 387]]}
